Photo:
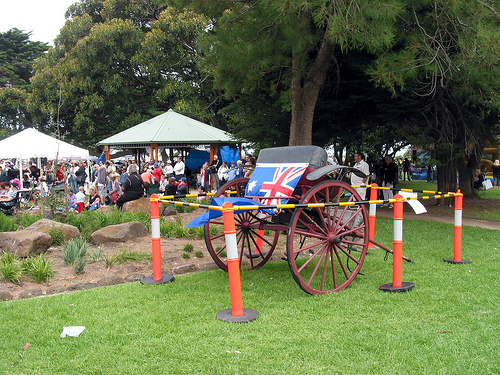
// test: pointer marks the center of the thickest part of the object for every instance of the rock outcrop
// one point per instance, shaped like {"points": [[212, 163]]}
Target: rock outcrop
{"points": [[46, 226], [25, 242], [119, 233]]}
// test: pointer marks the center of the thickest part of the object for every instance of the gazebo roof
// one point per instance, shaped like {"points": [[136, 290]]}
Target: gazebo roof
{"points": [[169, 129]]}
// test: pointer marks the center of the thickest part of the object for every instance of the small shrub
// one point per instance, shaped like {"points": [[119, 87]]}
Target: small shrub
{"points": [[8, 257], [199, 232], [186, 255], [7, 223], [74, 249], [223, 254], [57, 235], [79, 265], [188, 247], [11, 272], [39, 267], [131, 256], [56, 201], [10, 268], [198, 254], [96, 255], [25, 219], [174, 228], [108, 260]]}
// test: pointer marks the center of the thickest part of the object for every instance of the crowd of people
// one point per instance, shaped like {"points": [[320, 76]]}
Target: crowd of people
{"points": [[93, 185], [108, 184]]}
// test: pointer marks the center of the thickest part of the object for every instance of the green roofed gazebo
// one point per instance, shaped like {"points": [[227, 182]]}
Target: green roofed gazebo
{"points": [[169, 130]]}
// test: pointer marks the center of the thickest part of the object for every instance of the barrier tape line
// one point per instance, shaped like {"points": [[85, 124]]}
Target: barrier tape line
{"points": [[405, 190], [301, 205]]}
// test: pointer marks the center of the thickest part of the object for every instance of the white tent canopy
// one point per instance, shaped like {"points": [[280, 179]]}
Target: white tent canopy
{"points": [[30, 143]]}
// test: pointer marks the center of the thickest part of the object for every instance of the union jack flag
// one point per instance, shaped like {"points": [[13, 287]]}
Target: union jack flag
{"points": [[274, 181]]}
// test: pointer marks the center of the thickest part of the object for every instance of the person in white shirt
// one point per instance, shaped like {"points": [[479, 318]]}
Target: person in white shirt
{"points": [[179, 169], [356, 180], [168, 171], [222, 173]]}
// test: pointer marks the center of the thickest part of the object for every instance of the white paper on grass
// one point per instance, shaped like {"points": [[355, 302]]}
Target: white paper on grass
{"points": [[417, 206], [72, 331]]}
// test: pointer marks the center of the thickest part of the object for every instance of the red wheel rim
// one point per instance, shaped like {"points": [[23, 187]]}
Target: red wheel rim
{"points": [[326, 246], [250, 230]]}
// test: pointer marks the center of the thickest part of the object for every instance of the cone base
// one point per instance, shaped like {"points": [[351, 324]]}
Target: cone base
{"points": [[457, 261], [403, 288], [165, 278], [248, 316]]}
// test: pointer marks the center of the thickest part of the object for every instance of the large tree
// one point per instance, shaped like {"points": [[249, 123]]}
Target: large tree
{"points": [[422, 51], [17, 54], [297, 41], [117, 66], [447, 57]]}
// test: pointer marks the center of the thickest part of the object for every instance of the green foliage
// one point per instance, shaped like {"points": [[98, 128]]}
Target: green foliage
{"points": [[39, 267], [177, 229], [57, 235], [188, 247], [109, 260], [17, 54], [186, 255], [73, 250], [182, 209], [96, 255], [198, 254], [25, 219], [79, 265], [119, 63], [56, 201], [10, 268], [131, 256], [7, 223]]}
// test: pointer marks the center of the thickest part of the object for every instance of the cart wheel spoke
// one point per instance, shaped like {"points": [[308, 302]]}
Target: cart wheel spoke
{"points": [[326, 247], [247, 233]]}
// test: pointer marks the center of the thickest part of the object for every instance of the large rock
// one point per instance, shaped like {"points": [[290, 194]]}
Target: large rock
{"points": [[141, 204], [119, 233], [25, 242], [46, 225], [106, 209]]}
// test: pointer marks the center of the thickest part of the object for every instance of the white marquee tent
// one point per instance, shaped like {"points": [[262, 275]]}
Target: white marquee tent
{"points": [[30, 143]]}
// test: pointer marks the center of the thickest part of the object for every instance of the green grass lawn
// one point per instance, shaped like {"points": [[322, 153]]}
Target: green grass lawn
{"points": [[448, 324]]}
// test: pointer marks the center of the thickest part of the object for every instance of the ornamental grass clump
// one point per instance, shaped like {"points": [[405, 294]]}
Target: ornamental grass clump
{"points": [[10, 268], [73, 254], [39, 267]]}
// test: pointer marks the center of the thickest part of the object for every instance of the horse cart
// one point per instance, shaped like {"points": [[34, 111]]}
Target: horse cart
{"points": [[325, 245]]}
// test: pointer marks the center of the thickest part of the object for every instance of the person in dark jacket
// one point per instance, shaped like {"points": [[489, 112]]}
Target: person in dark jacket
{"points": [[132, 187], [390, 178], [80, 174]]}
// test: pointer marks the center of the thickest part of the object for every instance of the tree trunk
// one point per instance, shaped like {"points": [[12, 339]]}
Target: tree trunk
{"points": [[305, 88], [447, 180], [466, 173]]}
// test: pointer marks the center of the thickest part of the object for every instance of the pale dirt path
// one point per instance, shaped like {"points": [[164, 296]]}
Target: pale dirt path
{"points": [[439, 214]]}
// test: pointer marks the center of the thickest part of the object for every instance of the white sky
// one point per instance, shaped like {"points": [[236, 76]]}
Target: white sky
{"points": [[43, 17]]}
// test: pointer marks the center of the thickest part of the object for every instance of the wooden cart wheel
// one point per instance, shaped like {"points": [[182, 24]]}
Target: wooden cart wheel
{"points": [[326, 246], [250, 233]]}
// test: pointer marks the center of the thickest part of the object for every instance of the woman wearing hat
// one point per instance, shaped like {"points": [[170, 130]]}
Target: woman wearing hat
{"points": [[182, 186]]}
